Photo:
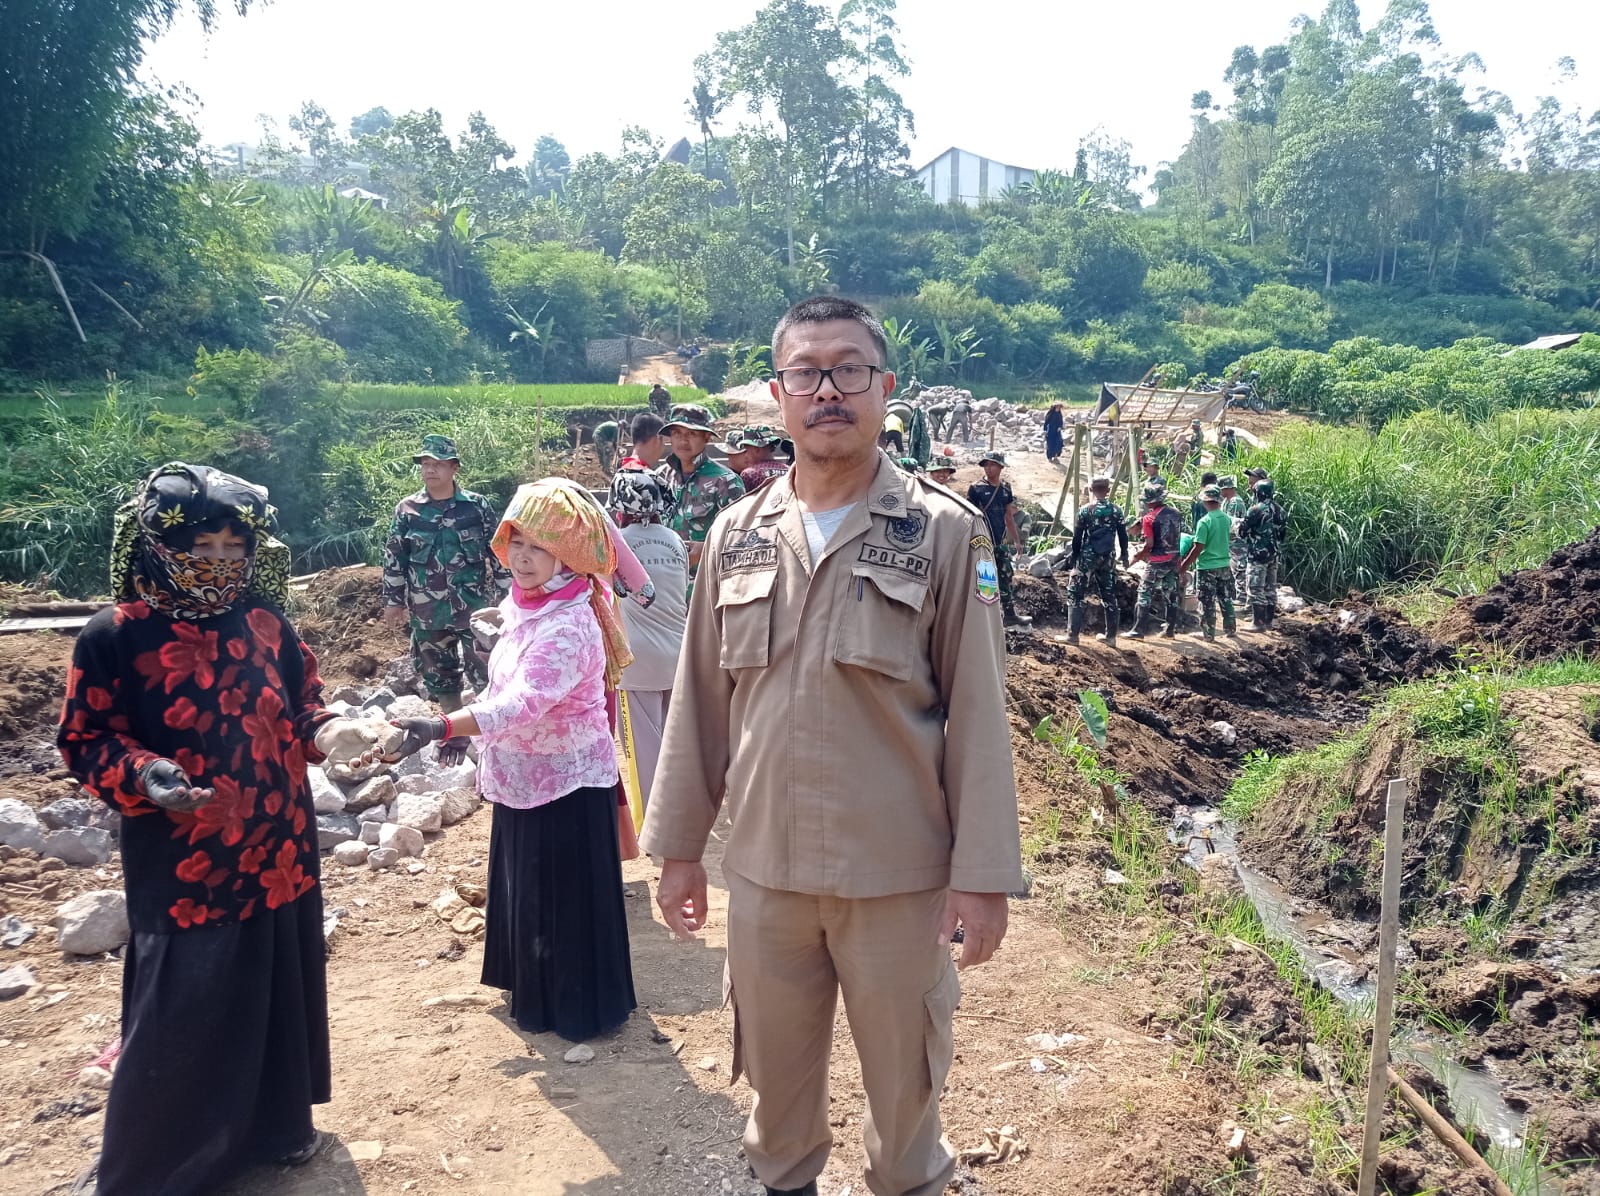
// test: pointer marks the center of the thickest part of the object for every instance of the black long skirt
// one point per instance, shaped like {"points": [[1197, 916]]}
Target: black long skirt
{"points": [[224, 1051], [557, 933]]}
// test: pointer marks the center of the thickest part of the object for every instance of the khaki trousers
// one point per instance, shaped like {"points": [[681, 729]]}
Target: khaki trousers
{"points": [[789, 956]]}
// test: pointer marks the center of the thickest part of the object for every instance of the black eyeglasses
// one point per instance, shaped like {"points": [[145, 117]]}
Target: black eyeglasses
{"points": [[847, 379]]}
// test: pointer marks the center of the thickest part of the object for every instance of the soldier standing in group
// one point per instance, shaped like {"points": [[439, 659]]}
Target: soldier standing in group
{"points": [[760, 464], [999, 506], [438, 568], [605, 445], [1197, 504], [1163, 529], [1262, 532], [938, 412], [1152, 477], [660, 400], [1213, 536], [1197, 439], [961, 417], [699, 486], [1234, 507], [1099, 532]]}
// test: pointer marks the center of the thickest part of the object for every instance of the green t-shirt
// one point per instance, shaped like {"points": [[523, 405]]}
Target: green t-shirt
{"points": [[1213, 534]]}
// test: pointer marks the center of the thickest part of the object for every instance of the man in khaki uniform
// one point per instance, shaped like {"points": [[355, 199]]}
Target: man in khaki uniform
{"points": [[842, 685]]}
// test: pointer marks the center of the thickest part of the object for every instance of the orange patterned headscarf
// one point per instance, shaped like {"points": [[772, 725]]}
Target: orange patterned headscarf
{"points": [[559, 517]]}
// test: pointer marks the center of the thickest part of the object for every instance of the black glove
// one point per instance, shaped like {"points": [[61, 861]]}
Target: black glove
{"points": [[454, 750], [164, 783], [419, 733], [1124, 561]]}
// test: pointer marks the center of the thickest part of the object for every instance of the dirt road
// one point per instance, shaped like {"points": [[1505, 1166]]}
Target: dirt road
{"points": [[666, 368]]}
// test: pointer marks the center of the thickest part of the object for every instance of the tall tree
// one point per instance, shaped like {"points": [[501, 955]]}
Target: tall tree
{"points": [[881, 122], [667, 228], [785, 66]]}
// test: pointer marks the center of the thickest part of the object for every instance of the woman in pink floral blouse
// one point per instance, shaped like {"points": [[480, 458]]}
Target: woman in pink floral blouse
{"points": [[557, 936]]}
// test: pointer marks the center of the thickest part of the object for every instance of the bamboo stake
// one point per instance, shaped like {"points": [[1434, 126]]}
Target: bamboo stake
{"points": [[1447, 1134], [1383, 1018]]}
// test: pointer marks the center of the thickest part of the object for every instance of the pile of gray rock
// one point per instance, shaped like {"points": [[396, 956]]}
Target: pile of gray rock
{"points": [[78, 831], [376, 816], [1016, 429]]}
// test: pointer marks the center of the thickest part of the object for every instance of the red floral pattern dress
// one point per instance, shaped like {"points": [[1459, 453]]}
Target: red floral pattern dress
{"points": [[234, 700]]}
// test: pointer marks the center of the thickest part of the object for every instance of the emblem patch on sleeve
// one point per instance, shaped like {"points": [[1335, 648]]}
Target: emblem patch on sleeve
{"points": [[988, 581]]}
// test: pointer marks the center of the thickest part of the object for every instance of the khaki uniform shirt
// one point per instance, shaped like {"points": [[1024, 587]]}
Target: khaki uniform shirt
{"points": [[853, 708]]}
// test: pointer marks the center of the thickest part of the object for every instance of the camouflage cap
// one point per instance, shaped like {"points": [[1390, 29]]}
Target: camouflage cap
{"points": [[691, 417], [760, 436], [731, 445], [1227, 482], [1194, 423], [1155, 492], [440, 448], [942, 465], [1257, 473], [1211, 494], [994, 455]]}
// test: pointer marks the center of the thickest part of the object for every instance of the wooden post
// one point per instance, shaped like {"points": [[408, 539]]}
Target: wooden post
{"points": [[1080, 435], [1447, 1134], [1383, 1016]]}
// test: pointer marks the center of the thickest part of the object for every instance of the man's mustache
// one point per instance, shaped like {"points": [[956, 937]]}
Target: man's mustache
{"points": [[830, 411]]}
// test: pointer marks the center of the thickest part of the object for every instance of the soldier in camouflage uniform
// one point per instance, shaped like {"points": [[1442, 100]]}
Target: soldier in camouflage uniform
{"points": [[1100, 529], [699, 486], [606, 436], [438, 569], [1234, 507], [998, 505], [1163, 532], [1262, 532]]}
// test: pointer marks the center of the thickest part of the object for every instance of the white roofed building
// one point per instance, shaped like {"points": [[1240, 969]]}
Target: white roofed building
{"points": [[958, 175]]}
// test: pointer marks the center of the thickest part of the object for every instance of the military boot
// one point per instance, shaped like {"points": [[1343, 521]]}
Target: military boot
{"points": [[1138, 624], [1074, 623], [1229, 625], [1258, 617], [1113, 621], [1013, 619]]}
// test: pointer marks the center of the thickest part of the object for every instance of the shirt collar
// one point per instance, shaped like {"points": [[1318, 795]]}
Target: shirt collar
{"points": [[888, 494]]}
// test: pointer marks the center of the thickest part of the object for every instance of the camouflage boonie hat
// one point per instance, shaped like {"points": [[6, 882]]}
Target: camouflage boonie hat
{"points": [[942, 465], [690, 416], [732, 444], [1211, 494], [1227, 482], [1155, 492], [996, 456], [1257, 473], [440, 448]]}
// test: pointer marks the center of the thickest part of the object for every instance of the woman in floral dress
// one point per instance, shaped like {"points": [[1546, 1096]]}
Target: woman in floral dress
{"points": [[557, 935], [191, 710]]}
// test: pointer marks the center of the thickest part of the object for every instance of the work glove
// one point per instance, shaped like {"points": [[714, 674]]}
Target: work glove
{"points": [[164, 783], [454, 750], [416, 734]]}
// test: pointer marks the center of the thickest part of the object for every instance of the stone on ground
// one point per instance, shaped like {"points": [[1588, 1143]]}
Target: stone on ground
{"points": [[582, 1053], [80, 846], [93, 923], [456, 804], [421, 811], [19, 825], [334, 829], [326, 797], [404, 839], [382, 857], [352, 853], [375, 791], [75, 811], [15, 982]]}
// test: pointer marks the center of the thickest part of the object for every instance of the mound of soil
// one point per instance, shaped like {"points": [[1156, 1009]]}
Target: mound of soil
{"points": [[340, 617], [33, 683], [1538, 613]]}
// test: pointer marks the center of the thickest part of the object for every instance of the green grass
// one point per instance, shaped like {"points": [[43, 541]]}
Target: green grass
{"points": [[1432, 500]]}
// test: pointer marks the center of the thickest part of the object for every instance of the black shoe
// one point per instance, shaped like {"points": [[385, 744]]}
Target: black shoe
{"points": [[305, 1154], [809, 1190]]}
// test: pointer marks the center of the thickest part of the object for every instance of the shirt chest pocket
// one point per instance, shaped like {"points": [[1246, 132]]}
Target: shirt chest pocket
{"points": [[882, 623], [744, 608]]}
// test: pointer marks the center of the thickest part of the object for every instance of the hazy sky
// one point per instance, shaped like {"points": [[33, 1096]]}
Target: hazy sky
{"points": [[1017, 80]]}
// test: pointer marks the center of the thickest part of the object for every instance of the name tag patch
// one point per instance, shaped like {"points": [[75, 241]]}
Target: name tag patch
{"points": [[908, 563], [745, 551]]}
